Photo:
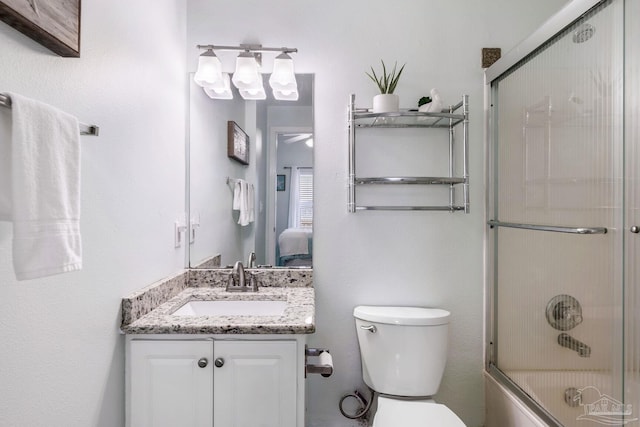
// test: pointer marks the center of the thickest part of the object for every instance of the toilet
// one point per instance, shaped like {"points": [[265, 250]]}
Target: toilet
{"points": [[404, 352]]}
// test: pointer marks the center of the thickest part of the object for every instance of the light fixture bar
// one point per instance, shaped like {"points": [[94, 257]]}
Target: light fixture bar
{"points": [[249, 48], [247, 77]]}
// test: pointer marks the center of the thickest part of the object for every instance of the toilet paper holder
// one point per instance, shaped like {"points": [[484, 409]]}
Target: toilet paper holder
{"points": [[325, 366]]}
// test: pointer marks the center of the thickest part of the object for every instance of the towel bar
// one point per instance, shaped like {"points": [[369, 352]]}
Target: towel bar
{"points": [[93, 130], [553, 228]]}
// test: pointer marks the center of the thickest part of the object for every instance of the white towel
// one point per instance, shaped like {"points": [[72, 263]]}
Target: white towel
{"points": [[237, 194], [251, 201], [5, 164], [243, 201], [45, 190]]}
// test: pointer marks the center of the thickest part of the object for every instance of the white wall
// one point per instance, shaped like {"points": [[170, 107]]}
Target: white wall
{"points": [[431, 259], [209, 169], [61, 356]]}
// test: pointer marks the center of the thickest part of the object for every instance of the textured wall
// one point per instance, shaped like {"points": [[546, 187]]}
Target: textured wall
{"points": [[62, 357]]}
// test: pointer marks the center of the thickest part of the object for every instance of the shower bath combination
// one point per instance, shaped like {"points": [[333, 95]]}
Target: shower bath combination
{"points": [[564, 208]]}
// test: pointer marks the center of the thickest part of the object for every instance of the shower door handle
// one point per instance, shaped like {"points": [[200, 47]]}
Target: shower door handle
{"points": [[635, 229]]}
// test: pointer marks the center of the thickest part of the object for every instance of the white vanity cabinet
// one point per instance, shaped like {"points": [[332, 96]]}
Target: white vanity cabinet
{"points": [[256, 386], [219, 382], [167, 387]]}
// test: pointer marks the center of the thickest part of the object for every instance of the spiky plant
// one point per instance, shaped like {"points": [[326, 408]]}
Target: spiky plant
{"points": [[387, 82]]}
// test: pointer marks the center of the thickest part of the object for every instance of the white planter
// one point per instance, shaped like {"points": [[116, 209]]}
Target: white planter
{"points": [[386, 103]]}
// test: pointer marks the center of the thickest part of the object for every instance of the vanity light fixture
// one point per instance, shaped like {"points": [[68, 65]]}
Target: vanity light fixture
{"points": [[286, 95], [223, 92], [209, 71], [283, 78], [247, 74], [256, 92], [247, 77]]}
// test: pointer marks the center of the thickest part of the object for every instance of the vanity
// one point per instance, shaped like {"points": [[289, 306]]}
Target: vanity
{"points": [[197, 355]]}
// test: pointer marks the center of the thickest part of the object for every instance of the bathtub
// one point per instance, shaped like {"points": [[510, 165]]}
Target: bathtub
{"points": [[599, 400]]}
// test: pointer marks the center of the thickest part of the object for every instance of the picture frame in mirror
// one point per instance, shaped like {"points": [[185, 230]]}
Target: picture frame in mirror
{"points": [[237, 143]]}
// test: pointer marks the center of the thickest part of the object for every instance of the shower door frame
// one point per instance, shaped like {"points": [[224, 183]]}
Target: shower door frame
{"points": [[568, 15]]}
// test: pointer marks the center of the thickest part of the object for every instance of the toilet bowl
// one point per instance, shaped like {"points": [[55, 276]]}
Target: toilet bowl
{"points": [[423, 413], [403, 352]]}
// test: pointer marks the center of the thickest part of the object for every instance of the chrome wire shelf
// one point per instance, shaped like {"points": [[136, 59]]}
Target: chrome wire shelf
{"points": [[406, 118]]}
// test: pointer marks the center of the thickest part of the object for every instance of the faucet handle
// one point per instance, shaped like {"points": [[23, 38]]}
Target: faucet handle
{"points": [[231, 281], [253, 282], [571, 315], [251, 260], [564, 312]]}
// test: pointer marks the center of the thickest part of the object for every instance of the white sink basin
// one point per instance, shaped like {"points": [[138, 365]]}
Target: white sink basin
{"points": [[231, 308]]}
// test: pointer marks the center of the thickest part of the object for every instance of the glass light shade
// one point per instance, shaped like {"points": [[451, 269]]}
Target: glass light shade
{"points": [[283, 77], [246, 74], [215, 92], [286, 95], [255, 92], [209, 71]]}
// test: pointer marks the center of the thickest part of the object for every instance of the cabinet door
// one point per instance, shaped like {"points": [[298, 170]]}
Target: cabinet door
{"points": [[256, 386], [167, 386]]}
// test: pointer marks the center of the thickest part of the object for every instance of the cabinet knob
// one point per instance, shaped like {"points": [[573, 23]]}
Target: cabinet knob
{"points": [[219, 362], [635, 229], [203, 362]]}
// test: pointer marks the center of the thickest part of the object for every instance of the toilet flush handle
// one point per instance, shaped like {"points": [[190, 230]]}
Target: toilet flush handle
{"points": [[370, 328]]}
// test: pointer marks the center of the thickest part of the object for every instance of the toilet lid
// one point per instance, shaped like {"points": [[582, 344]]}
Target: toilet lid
{"points": [[414, 413], [413, 316]]}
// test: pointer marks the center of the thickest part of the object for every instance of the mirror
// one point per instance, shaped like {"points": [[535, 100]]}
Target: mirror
{"points": [[280, 169]]}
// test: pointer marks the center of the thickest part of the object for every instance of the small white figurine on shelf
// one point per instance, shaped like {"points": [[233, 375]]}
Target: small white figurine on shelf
{"points": [[436, 104]]}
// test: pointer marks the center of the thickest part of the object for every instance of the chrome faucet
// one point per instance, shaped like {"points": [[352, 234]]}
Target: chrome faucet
{"points": [[251, 261], [240, 285], [238, 270], [566, 340]]}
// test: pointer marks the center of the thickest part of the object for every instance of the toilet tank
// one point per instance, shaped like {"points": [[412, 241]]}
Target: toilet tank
{"points": [[403, 349]]}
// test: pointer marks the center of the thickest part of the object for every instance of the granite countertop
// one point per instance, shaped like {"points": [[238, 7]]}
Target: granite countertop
{"points": [[298, 316]]}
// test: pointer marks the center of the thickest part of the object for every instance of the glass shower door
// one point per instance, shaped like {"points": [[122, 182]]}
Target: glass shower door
{"points": [[557, 218], [632, 222]]}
